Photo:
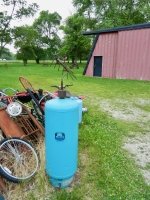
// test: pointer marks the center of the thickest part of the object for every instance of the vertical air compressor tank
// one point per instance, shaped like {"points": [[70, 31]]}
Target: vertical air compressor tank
{"points": [[79, 101], [61, 140]]}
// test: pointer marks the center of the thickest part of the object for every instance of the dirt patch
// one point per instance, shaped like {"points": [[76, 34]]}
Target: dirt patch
{"points": [[128, 110], [133, 111], [139, 148]]}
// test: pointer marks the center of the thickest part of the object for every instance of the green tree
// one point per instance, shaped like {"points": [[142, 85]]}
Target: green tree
{"points": [[39, 52], [25, 53], [112, 13], [19, 9], [125, 12], [25, 37], [47, 26], [7, 54], [28, 36], [87, 9], [76, 46]]}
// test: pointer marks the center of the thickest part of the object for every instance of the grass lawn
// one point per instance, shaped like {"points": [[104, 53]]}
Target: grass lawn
{"points": [[118, 110]]}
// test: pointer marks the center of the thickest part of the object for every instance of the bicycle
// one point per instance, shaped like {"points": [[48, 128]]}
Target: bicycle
{"points": [[18, 159]]}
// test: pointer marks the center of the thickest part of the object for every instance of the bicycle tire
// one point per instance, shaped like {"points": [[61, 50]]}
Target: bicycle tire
{"points": [[18, 160]]}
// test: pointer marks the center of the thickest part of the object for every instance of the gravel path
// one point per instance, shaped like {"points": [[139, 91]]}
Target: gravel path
{"points": [[133, 111]]}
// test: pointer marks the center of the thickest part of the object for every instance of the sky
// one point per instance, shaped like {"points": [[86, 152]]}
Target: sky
{"points": [[63, 7]]}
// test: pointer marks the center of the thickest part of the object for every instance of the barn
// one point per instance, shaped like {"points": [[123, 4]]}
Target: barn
{"points": [[122, 53]]}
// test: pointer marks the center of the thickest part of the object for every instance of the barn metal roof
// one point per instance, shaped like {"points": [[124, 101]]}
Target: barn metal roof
{"points": [[121, 28]]}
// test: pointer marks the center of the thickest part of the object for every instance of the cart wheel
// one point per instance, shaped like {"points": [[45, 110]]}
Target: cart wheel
{"points": [[18, 160]]}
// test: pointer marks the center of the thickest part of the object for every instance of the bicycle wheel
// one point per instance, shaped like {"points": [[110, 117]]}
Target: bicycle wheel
{"points": [[18, 160]]}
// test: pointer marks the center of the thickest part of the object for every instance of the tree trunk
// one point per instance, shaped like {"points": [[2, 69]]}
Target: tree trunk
{"points": [[73, 59], [37, 61], [25, 62], [80, 60]]}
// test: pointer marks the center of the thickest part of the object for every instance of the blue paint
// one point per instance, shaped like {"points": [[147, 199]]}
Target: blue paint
{"points": [[79, 101], [1, 197], [61, 140]]}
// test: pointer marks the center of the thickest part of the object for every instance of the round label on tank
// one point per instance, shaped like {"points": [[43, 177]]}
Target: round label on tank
{"points": [[59, 136]]}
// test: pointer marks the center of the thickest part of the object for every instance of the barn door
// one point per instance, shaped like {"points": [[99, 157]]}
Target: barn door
{"points": [[97, 66]]}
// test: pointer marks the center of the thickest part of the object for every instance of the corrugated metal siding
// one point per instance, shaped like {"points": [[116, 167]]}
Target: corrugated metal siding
{"points": [[126, 54], [89, 71], [106, 47], [146, 57], [133, 54]]}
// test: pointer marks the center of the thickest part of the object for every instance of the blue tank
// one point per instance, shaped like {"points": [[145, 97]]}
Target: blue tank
{"points": [[61, 140], [79, 101]]}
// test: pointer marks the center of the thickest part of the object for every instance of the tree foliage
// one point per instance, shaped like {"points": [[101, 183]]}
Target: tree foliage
{"points": [[75, 44], [47, 26], [18, 10], [25, 37], [25, 53], [7, 54], [113, 13]]}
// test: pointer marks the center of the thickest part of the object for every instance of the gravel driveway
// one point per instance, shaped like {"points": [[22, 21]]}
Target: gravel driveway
{"points": [[139, 145]]}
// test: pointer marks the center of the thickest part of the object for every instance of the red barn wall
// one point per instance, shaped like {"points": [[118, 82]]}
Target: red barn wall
{"points": [[106, 46], [133, 56], [126, 54]]}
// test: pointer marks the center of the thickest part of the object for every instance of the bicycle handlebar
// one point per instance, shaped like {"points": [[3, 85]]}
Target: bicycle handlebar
{"points": [[59, 87]]}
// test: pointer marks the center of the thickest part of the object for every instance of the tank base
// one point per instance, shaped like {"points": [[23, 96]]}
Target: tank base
{"points": [[61, 183]]}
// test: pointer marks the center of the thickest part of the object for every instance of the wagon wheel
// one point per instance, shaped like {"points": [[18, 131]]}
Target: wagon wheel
{"points": [[26, 84]]}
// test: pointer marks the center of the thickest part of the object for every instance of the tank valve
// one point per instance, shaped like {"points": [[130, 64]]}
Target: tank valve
{"points": [[62, 94]]}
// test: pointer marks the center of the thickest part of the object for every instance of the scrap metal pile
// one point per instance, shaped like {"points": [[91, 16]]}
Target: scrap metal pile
{"points": [[21, 121]]}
